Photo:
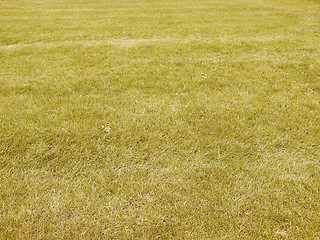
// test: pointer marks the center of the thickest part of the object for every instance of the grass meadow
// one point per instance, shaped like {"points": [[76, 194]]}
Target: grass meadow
{"points": [[170, 119]]}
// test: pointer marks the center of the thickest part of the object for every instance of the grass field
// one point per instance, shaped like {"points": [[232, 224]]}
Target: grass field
{"points": [[171, 119]]}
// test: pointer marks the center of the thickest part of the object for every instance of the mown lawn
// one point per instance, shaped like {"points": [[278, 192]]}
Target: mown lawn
{"points": [[171, 119]]}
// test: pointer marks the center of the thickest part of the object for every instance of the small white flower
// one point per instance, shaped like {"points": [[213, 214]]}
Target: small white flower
{"points": [[107, 127]]}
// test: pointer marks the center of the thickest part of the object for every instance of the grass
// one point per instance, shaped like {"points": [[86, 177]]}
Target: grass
{"points": [[142, 119]]}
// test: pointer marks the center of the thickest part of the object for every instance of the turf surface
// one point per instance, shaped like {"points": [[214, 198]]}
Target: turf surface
{"points": [[173, 119]]}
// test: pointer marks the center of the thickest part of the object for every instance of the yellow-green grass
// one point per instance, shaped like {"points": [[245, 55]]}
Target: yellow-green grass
{"points": [[171, 119]]}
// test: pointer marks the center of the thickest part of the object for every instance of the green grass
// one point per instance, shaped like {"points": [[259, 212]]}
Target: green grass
{"points": [[211, 115]]}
